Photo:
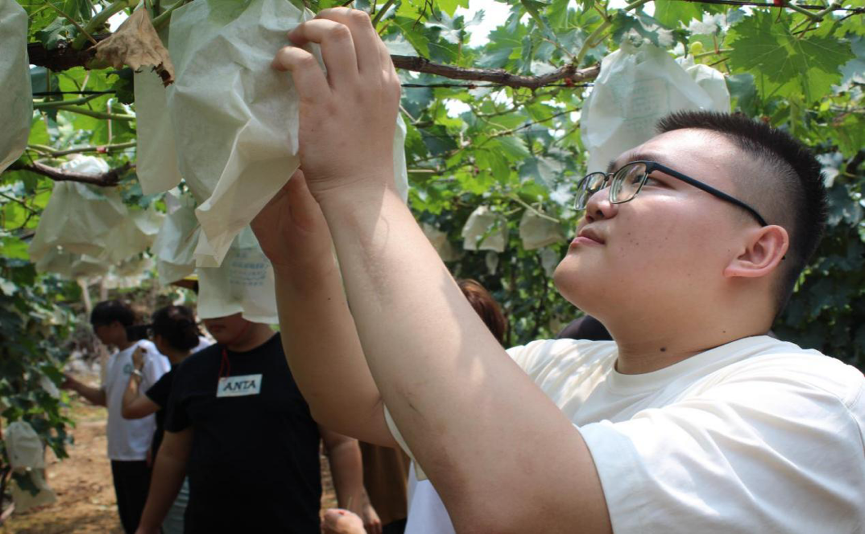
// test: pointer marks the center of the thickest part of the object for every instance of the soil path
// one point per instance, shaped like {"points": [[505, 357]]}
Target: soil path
{"points": [[85, 493]]}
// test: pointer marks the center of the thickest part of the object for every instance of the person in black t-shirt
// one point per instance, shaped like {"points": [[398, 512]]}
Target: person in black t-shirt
{"points": [[238, 426], [175, 335]]}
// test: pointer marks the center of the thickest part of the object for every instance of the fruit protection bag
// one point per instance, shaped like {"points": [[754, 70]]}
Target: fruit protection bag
{"points": [[15, 98]]}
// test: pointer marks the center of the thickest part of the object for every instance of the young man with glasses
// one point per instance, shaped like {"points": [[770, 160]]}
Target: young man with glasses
{"points": [[691, 420]]}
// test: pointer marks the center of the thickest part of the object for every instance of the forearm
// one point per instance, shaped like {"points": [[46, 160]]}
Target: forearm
{"points": [[129, 395], [92, 394], [348, 476], [446, 381], [165, 483], [323, 351]]}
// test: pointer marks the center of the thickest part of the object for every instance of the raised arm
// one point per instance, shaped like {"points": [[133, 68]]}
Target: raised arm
{"points": [[501, 454], [134, 404], [90, 393], [318, 332]]}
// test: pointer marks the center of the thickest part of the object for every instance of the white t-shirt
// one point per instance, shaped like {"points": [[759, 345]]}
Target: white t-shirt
{"points": [[757, 436], [128, 440]]}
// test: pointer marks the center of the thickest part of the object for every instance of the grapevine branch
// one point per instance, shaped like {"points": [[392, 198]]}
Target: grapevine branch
{"points": [[107, 179], [568, 73], [65, 57]]}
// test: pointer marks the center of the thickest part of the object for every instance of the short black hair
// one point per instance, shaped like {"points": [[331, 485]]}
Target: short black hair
{"points": [[107, 312], [798, 191], [176, 324]]}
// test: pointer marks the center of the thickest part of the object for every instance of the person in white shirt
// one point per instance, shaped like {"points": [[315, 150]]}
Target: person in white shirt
{"points": [[686, 249], [128, 440]]}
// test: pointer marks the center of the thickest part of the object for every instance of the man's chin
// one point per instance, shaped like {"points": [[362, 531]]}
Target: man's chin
{"points": [[578, 286]]}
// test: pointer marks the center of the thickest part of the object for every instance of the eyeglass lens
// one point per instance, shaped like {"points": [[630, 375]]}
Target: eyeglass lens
{"points": [[625, 184]]}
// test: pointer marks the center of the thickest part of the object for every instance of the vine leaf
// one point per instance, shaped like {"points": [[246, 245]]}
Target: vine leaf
{"points": [[783, 63], [136, 43]]}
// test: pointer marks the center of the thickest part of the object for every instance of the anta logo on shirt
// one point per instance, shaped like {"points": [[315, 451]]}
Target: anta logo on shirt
{"points": [[239, 385]]}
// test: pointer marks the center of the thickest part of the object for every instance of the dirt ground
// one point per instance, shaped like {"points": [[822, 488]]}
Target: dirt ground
{"points": [[85, 495]]}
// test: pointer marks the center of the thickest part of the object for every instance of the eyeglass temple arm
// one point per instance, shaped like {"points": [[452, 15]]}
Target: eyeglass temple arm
{"points": [[711, 190]]}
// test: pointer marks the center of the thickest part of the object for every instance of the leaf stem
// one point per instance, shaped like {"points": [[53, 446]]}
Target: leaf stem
{"points": [[587, 44], [165, 16], [74, 22], [100, 19], [59, 103], [97, 114], [381, 13], [77, 150]]}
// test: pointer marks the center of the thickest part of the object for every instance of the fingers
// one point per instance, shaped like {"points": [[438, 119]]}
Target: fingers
{"points": [[308, 77], [338, 47], [364, 36]]}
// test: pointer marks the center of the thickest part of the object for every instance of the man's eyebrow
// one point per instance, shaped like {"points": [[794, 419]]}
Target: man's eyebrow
{"points": [[635, 156]]}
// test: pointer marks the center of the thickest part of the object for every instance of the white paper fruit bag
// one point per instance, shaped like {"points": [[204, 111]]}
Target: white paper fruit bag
{"points": [[15, 97], [635, 88], [243, 283], [235, 119]]}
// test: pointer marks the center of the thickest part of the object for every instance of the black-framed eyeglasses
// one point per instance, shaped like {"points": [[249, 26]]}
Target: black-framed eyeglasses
{"points": [[627, 181]]}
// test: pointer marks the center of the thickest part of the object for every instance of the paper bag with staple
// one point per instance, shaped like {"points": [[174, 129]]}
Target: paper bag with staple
{"points": [[15, 98], [235, 119], [635, 88], [243, 283]]}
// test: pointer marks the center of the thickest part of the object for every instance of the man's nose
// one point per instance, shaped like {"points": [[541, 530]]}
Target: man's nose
{"points": [[599, 206]]}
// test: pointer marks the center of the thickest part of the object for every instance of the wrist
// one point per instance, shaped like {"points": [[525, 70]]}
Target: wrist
{"points": [[355, 190]]}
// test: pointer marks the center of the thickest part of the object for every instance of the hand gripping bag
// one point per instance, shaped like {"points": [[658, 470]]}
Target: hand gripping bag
{"points": [[235, 119]]}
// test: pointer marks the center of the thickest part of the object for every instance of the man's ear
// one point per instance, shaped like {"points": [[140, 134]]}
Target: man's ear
{"points": [[763, 251]]}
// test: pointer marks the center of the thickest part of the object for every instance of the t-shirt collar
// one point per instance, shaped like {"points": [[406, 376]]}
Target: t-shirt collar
{"points": [[702, 363]]}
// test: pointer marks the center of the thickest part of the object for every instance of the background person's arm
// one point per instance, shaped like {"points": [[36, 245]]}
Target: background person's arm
{"points": [[344, 456], [500, 452], [317, 329], [168, 473], [90, 393], [136, 405]]}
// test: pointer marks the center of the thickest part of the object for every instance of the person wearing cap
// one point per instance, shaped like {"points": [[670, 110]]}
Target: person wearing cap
{"points": [[128, 440], [239, 428]]}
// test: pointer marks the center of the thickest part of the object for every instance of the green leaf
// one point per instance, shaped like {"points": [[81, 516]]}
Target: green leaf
{"points": [[437, 139], [673, 12], [511, 147], [641, 26], [450, 6], [11, 247], [744, 96], [25, 482], [54, 33], [782, 63], [848, 133]]}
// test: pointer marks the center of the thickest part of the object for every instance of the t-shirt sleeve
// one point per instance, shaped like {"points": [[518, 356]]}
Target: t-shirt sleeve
{"points": [[757, 454], [177, 418], [160, 392]]}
